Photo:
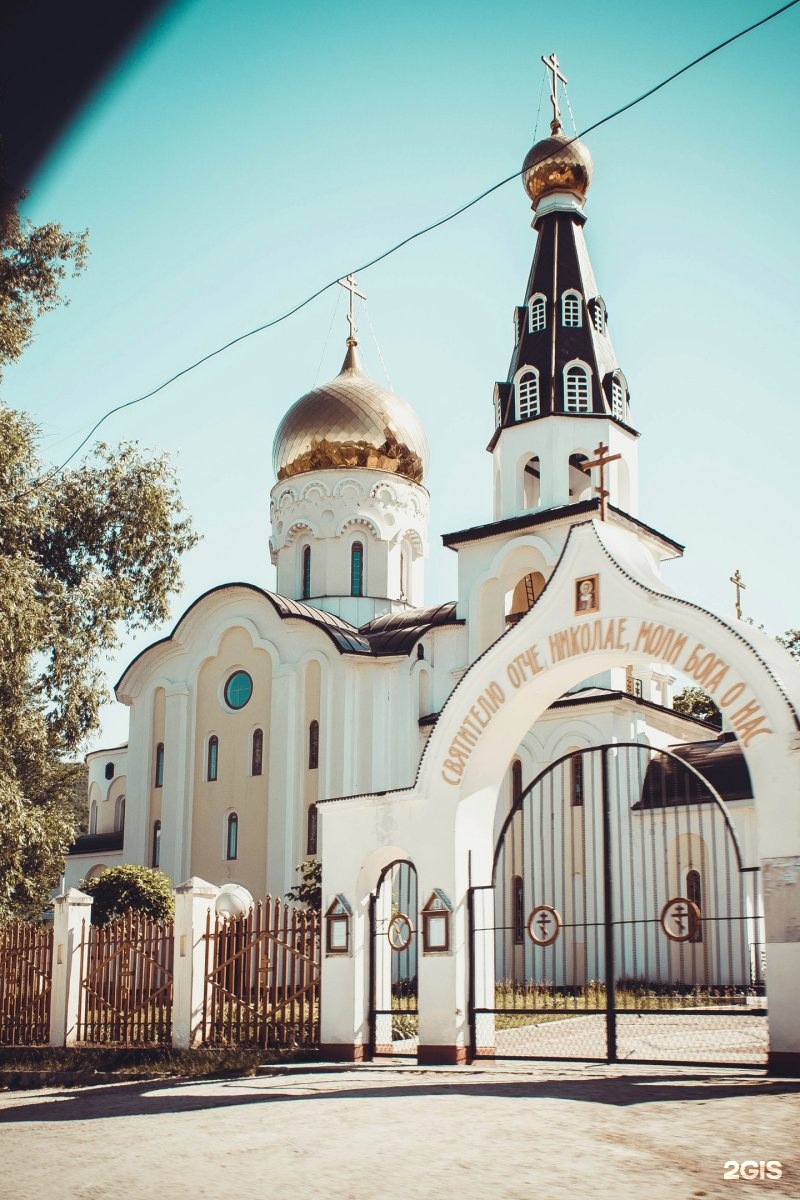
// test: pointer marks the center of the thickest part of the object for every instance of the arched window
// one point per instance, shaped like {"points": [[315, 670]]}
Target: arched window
{"points": [[516, 780], [305, 582], [119, 815], [155, 857], [232, 836], [526, 592], [580, 480], [93, 817], [257, 752], [518, 904], [403, 574], [577, 390], [618, 398], [357, 569], [599, 314], [571, 310], [537, 318], [694, 892], [527, 393], [109, 770], [212, 758], [159, 779], [313, 746], [311, 832], [576, 781]]}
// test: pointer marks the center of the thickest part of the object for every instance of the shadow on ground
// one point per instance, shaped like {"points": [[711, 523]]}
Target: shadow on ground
{"points": [[165, 1097]]}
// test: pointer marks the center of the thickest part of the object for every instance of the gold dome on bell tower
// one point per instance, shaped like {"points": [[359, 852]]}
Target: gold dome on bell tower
{"points": [[558, 163]]}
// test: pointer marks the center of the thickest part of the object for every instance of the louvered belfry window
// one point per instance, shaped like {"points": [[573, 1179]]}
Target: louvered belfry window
{"points": [[571, 310], [528, 395], [538, 314], [577, 395]]}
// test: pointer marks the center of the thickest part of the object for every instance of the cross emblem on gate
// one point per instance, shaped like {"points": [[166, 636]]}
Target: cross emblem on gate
{"points": [[544, 925], [679, 919]]}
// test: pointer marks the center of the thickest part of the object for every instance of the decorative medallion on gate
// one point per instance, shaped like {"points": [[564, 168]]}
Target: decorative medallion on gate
{"points": [[680, 919], [544, 925], [400, 932]]}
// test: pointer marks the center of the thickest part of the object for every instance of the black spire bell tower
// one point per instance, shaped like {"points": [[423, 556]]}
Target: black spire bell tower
{"points": [[565, 393]]}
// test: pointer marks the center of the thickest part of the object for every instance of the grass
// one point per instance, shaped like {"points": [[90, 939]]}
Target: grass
{"points": [[74, 1066], [538, 1002]]}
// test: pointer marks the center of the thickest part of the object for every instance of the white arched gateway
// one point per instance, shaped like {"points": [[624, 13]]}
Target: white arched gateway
{"points": [[603, 606]]}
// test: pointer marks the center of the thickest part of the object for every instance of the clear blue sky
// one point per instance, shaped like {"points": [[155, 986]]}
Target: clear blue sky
{"points": [[245, 153]]}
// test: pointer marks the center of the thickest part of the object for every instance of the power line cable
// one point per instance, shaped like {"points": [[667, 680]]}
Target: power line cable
{"points": [[412, 237]]}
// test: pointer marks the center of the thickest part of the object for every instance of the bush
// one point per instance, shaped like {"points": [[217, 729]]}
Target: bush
{"points": [[121, 889]]}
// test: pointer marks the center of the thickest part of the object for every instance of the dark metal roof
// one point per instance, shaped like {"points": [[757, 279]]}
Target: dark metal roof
{"points": [[561, 264], [345, 636], [548, 516], [667, 785], [96, 843], [397, 633]]}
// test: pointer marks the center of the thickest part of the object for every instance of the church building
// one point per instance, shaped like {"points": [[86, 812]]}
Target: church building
{"points": [[260, 704]]}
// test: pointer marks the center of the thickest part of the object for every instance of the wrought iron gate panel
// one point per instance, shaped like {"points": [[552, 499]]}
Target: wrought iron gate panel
{"points": [[26, 969], [262, 977], [576, 950], [394, 929], [126, 982]]}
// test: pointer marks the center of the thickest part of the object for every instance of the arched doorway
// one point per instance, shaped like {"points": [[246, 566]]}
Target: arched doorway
{"points": [[621, 922], [394, 937]]}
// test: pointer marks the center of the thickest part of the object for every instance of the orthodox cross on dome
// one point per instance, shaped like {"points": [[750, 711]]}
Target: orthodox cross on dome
{"points": [[601, 462], [349, 284], [552, 66], [740, 585]]}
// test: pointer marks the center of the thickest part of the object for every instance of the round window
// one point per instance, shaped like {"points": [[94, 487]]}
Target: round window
{"points": [[238, 689]]}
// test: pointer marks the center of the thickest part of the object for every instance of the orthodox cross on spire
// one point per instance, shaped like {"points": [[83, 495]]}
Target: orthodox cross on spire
{"points": [[601, 462], [552, 66], [349, 284], [736, 580]]}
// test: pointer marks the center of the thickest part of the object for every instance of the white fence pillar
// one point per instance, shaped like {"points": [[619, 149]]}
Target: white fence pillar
{"points": [[71, 910], [194, 900]]}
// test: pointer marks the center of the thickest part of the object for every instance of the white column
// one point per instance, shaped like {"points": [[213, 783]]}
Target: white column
{"points": [[194, 901], [344, 1031], [71, 911], [136, 848], [288, 744], [177, 788]]}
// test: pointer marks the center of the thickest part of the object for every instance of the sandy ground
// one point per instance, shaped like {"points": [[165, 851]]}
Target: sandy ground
{"points": [[390, 1131]]}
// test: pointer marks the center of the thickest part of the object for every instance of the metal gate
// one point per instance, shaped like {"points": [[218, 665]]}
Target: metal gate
{"points": [[394, 1015], [621, 923], [262, 977], [26, 971], [126, 970]]}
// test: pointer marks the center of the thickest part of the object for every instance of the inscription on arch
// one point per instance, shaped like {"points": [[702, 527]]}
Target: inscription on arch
{"points": [[665, 643]]}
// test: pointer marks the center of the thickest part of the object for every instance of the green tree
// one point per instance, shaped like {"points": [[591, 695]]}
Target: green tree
{"points": [[34, 262], [309, 890], [791, 640], [120, 889], [84, 553], [694, 702]]}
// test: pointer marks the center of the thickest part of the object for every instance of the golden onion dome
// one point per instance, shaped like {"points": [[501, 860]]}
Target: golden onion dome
{"points": [[351, 422], [557, 164]]}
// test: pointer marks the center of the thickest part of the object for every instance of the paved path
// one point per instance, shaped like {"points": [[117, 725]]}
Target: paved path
{"points": [[707, 1036], [405, 1133]]}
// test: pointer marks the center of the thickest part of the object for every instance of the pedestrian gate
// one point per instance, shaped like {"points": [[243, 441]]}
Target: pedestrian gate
{"points": [[394, 1023]]}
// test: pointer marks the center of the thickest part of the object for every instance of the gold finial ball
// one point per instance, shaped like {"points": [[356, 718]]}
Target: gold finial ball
{"points": [[557, 164]]}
